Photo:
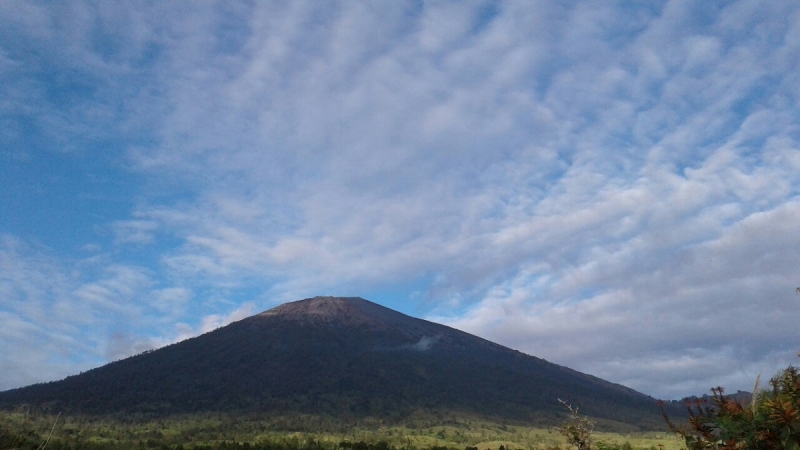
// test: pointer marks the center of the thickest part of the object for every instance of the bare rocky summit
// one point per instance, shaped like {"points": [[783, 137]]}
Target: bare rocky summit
{"points": [[346, 311]]}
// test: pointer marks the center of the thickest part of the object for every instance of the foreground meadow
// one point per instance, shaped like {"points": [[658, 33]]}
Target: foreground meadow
{"points": [[20, 431]]}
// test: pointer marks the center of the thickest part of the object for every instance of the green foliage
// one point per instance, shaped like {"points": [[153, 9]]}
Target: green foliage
{"points": [[579, 433], [623, 446], [771, 420], [27, 430], [17, 433]]}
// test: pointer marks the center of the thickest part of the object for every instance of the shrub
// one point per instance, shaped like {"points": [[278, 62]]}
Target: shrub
{"points": [[769, 421]]}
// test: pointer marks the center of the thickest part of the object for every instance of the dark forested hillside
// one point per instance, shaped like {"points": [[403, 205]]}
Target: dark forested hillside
{"points": [[345, 357]]}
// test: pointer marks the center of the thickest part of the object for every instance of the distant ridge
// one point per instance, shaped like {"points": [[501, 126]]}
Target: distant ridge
{"points": [[342, 357]]}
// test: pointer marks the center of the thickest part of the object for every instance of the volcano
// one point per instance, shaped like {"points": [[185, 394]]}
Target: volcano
{"points": [[340, 357]]}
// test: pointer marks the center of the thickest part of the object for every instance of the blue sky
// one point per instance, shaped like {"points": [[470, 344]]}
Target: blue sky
{"points": [[612, 186]]}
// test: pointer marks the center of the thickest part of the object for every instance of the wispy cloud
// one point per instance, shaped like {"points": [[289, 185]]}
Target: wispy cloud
{"points": [[609, 187], [134, 231], [61, 316]]}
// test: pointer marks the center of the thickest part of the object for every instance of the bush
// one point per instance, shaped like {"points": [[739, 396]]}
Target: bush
{"points": [[14, 435], [769, 421]]}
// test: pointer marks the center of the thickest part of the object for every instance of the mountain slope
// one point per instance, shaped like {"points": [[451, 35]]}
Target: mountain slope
{"points": [[342, 357]]}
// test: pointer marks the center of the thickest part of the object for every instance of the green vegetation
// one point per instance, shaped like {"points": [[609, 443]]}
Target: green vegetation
{"points": [[26, 431], [579, 433], [769, 421]]}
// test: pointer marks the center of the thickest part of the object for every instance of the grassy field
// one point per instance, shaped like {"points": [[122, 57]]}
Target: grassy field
{"points": [[489, 436], [212, 430]]}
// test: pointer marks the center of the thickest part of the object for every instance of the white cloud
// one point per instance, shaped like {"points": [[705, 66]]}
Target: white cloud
{"points": [[731, 298], [171, 300], [60, 317], [214, 321], [134, 231], [584, 212], [591, 184]]}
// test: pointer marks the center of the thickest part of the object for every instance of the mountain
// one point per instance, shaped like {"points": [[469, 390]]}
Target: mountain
{"points": [[341, 357]]}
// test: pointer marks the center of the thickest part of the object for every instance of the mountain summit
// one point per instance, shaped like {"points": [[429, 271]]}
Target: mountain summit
{"points": [[345, 311], [356, 315], [338, 356]]}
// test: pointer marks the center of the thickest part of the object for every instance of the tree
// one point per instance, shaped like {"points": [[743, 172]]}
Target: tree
{"points": [[577, 429]]}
